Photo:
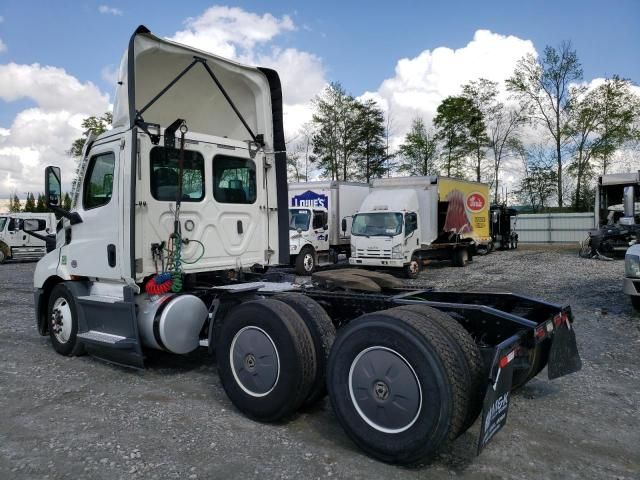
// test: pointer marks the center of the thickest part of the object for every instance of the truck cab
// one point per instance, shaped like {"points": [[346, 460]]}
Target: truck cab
{"points": [[17, 244], [309, 238], [386, 231]]}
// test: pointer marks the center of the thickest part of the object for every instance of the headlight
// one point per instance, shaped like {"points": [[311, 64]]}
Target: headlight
{"points": [[396, 251], [353, 250], [293, 247], [632, 265]]}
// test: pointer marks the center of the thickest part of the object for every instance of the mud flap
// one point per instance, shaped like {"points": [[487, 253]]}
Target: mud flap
{"points": [[496, 400], [563, 356]]}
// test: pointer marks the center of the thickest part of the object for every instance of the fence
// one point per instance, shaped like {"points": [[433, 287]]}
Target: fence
{"points": [[554, 227]]}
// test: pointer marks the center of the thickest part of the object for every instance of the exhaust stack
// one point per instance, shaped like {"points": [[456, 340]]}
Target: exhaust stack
{"points": [[629, 201]]}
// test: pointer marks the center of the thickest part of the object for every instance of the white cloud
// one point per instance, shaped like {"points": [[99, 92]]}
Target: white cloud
{"points": [[42, 135], [3, 46], [107, 10], [422, 82], [250, 38]]}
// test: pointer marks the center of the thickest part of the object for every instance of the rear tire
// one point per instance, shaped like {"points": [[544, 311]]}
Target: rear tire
{"points": [[386, 356], [266, 359], [468, 350], [323, 334], [460, 257], [306, 261]]}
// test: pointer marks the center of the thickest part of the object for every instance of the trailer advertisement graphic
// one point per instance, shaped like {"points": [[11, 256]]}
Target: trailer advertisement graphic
{"points": [[310, 199]]}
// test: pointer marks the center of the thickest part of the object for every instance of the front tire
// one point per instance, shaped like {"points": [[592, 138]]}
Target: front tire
{"points": [[412, 270], [62, 313], [266, 359], [306, 261]]}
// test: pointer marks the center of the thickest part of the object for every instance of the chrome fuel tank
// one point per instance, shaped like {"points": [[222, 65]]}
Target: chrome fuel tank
{"points": [[171, 321]]}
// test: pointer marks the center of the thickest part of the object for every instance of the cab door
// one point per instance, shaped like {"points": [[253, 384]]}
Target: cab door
{"points": [[92, 248], [320, 234]]}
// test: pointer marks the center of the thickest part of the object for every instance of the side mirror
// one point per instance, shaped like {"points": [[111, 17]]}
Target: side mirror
{"points": [[53, 194], [33, 225], [325, 227], [53, 186], [343, 225]]}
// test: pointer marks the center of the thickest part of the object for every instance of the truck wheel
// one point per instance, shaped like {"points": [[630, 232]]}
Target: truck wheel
{"points": [[460, 257], [2, 257], [323, 334], [306, 261], [412, 270], [538, 357], [467, 349], [63, 321], [394, 387], [266, 359]]}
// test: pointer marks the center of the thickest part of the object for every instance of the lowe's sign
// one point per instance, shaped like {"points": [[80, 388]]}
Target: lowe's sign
{"points": [[310, 199]]}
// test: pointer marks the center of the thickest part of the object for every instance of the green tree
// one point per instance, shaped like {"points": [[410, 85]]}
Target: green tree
{"points": [[41, 204], [543, 84], [336, 136], [502, 122], [14, 203], [418, 150], [30, 204], [454, 120], [539, 181], [93, 124], [66, 201], [371, 159]]}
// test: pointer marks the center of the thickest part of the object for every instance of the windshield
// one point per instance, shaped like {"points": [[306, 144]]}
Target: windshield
{"points": [[377, 224], [299, 219], [3, 220]]}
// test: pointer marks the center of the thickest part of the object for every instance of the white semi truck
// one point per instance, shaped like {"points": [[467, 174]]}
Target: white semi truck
{"points": [[16, 244], [405, 221], [315, 213], [185, 194]]}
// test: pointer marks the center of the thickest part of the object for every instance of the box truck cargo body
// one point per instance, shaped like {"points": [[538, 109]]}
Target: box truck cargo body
{"points": [[405, 221], [316, 210]]}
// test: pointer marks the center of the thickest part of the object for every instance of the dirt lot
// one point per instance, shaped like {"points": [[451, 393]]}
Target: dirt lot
{"points": [[81, 418]]}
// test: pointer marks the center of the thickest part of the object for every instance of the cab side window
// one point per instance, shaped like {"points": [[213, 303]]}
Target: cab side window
{"points": [[411, 223], [98, 183], [319, 219], [234, 180]]}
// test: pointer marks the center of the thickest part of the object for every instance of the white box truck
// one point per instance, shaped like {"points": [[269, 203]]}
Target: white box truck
{"points": [[17, 244], [315, 213], [406, 221]]}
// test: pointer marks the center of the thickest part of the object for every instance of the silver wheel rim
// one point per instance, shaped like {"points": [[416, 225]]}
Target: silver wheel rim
{"points": [[307, 262], [61, 320], [254, 361], [375, 385], [413, 267]]}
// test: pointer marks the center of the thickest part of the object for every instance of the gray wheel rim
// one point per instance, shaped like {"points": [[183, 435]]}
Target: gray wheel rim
{"points": [[61, 320], [385, 390], [254, 361], [307, 261]]}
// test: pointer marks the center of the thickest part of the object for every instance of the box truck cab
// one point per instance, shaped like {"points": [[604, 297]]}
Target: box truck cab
{"points": [[17, 244], [316, 236]]}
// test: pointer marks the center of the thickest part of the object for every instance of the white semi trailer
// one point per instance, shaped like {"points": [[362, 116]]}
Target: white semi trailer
{"points": [[16, 244], [315, 213], [185, 194], [405, 221]]}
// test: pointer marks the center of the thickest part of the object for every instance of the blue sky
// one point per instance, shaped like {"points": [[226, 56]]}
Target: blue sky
{"points": [[360, 44]]}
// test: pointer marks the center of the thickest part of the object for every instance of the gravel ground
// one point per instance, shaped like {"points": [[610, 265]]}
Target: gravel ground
{"points": [[81, 418]]}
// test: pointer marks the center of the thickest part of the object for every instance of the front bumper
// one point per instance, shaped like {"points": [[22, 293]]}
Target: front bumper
{"points": [[376, 262], [631, 286]]}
